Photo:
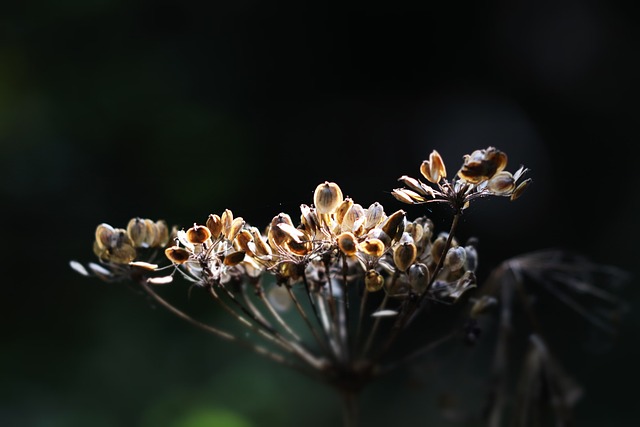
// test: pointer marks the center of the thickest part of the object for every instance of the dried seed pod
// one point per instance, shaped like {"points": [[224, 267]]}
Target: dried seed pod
{"points": [[482, 165], [278, 235], [288, 271], [122, 254], [502, 183], [374, 216], [372, 246], [455, 258], [162, 234], [214, 224], [405, 195], [198, 234], [327, 197], [412, 183], [244, 239], [104, 235], [437, 248], [177, 255], [405, 253], [347, 243], [373, 281], [299, 247], [262, 247], [520, 189], [227, 221], [482, 305], [137, 231], [377, 233], [342, 209], [309, 219], [236, 226], [419, 277], [354, 218], [471, 258], [433, 169], [234, 258], [416, 231], [152, 233], [100, 251], [394, 224]]}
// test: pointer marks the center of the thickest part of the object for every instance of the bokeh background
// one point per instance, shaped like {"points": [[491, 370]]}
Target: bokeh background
{"points": [[112, 109]]}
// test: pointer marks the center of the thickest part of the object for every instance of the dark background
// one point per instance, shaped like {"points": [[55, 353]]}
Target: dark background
{"points": [[110, 110]]}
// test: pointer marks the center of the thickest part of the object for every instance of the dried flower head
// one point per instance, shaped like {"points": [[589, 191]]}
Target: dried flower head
{"points": [[482, 174]]}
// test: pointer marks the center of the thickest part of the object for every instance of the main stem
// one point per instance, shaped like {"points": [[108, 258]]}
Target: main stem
{"points": [[350, 408]]}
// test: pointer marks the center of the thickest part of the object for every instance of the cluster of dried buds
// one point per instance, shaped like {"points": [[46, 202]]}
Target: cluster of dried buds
{"points": [[482, 174], [335, 255]]}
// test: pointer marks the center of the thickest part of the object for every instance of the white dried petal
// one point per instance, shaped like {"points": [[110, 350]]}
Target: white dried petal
{"points": [[160, 280], [384, 313], [79, 268]]}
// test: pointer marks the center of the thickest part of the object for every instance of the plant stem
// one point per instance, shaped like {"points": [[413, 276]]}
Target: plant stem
{"points": [[350, 409]]}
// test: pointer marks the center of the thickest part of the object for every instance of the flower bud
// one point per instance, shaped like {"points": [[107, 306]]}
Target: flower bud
{"points": [[327, 197]]}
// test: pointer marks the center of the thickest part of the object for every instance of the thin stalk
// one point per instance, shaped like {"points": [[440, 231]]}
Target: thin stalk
{"points": [[217, 332], [363, 303], [277, 316], [350, 408], [411, 309], [270, 334], [376, 324]]}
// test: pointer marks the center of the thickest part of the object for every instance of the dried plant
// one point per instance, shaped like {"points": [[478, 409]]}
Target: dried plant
{"points": [[358, 277]]}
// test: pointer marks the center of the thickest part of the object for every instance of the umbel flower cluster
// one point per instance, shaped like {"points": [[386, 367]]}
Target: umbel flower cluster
{"points": [[329, 290]]}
